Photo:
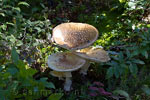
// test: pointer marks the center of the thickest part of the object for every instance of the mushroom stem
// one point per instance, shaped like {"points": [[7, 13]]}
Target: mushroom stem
{"points": [[67, 85], [68, 81], [60, 78], [85, 68]]}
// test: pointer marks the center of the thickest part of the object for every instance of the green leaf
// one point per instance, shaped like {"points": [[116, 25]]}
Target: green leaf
{"points": [[24, 3], [138, 61], [133, 69], [10, 23], [146, 89], [145, 53], [2, 14], [31, 71], [14, 56], [19, 43], [12, 71], [122, 1], [135, 53], [17, 9], [1, 68], [110, 72], [121, 57], [38, 29], [128, 53], [55, 96], [123, 93], [2, 94], [116, 71], [47, 84], [148, 25]]}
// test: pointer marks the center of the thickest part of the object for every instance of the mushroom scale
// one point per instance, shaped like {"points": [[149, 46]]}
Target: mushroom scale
{"points": [[74, 36]]}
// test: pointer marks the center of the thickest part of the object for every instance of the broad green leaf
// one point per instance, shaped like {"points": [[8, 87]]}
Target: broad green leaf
{"points": [[17, 9], [132, 5], [1, 68], [121, 57], [55, 96], [145, 53], [122, 1], [19, 43], [2, 94], [13, 86], [148, 25], [123, 93], [31, 71], [135, 53], [10, 23], [4, 26], [12, 71], [14, 56], [43, 50], [38, 29], [116, 71], [2, 14], [138, 61], [110, 72], [133, 69], [24, 3], [146, 89], [47, 84], [128, 53]]}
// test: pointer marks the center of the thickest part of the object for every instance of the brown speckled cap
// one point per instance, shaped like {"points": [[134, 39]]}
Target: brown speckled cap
{"points": [[93, 54], [73, 36], [65, 61]]}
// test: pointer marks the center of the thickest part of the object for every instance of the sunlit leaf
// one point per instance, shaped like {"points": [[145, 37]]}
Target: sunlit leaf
{"points": [[2, 14], [55, 96], [122, 1], [24, 3], [17, 9]]}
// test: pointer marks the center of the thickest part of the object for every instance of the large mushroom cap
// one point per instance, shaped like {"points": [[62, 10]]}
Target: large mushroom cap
{"points": [[93, 54], [74, 36], [65, 61]]}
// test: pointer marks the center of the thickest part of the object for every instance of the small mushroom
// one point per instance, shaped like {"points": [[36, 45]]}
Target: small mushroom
{"points": [[92, 54], [64, 63], [73, 36]]}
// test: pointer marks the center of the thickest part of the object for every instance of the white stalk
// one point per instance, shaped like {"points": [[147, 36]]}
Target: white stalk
{"points": [[85, 68], [68, 82]]}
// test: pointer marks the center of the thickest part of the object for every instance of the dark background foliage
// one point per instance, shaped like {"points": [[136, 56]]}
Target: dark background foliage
{"points": [[25, 32]]}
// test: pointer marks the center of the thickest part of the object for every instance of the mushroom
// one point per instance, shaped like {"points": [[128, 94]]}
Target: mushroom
{"points": [[92, 54], [73, 36], [64, 63], [60, 75]]}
